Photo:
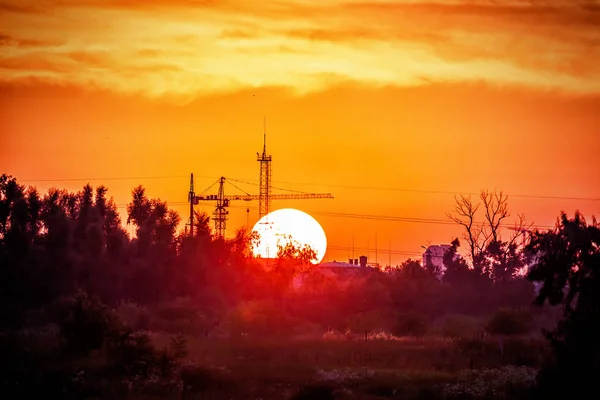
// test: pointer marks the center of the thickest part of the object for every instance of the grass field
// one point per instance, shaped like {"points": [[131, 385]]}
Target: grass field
{"points": [[358, 369]]}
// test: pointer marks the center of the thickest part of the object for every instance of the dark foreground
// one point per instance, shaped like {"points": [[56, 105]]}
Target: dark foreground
{"points": [[159, 366]]}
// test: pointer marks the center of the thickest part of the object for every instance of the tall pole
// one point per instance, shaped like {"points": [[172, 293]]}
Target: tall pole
{"points": [[390, 252], [376, 248], [191, 199]]}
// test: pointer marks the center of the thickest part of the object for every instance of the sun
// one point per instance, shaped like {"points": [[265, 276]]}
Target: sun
{"points": [[276, 227]]}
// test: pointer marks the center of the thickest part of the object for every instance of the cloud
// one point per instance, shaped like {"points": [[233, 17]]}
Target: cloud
{"points": [[189, 48]]}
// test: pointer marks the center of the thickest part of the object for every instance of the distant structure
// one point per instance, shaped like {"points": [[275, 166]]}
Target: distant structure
{"points": [[434, 255], [264, 197], [339, 270]]}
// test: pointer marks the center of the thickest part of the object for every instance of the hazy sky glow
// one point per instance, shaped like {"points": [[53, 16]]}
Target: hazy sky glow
{"points": [[430, 97], [186, 48]]}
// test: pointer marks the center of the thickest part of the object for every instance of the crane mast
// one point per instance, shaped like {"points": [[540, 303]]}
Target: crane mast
{"points": [[264, 202]]}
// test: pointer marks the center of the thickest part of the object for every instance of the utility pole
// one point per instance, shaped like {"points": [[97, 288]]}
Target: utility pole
{"points": [[192, 200], [390, 252], [376, 248]]}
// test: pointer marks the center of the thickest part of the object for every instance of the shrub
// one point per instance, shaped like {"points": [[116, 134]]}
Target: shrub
{"points": [[131, 354], [259, 318], [86, 325], [410, 324], [180, 309], [506, 321], [134, 315], [179, 316], [458, 326]]}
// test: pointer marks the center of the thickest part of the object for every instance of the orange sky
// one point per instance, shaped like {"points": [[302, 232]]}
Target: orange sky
{"points": [[446, 96]]}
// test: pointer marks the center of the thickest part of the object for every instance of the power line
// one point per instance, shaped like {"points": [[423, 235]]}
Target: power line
{"points": [[122, 178], [394, 218], [446, 192], [390, 218], [354, 187]]}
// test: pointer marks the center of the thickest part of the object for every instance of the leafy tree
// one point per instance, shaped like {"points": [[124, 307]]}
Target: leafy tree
{"points": [[155, 246], [293, 258], [457, 270], [567, 263], [202, 225], [413, 269], [303, 255]]}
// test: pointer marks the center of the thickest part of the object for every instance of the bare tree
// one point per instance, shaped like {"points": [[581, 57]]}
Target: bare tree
{"points": [[464, 214], [484, 238], [496, 209]]}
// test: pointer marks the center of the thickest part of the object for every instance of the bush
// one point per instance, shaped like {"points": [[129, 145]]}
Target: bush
{"points": [[410, 324], [259, 318], [460, 326], [135, 316], [131, 355], [180, 309], [86, 325], [179, 316], [506, 321], [48, 314]]}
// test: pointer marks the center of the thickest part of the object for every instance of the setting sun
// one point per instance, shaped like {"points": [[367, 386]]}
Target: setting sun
{"points": [[277, 228], [155, 156]]}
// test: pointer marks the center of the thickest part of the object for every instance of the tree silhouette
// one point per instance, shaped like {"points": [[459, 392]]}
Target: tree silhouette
{"points": [[568, 266], [490, 254], [457, 270]]}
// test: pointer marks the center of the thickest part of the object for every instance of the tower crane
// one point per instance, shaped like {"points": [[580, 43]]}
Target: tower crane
{"points": [[264, 197]]}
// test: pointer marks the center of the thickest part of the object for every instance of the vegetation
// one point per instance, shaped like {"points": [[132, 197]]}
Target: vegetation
{"points": [[89, 312]]}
